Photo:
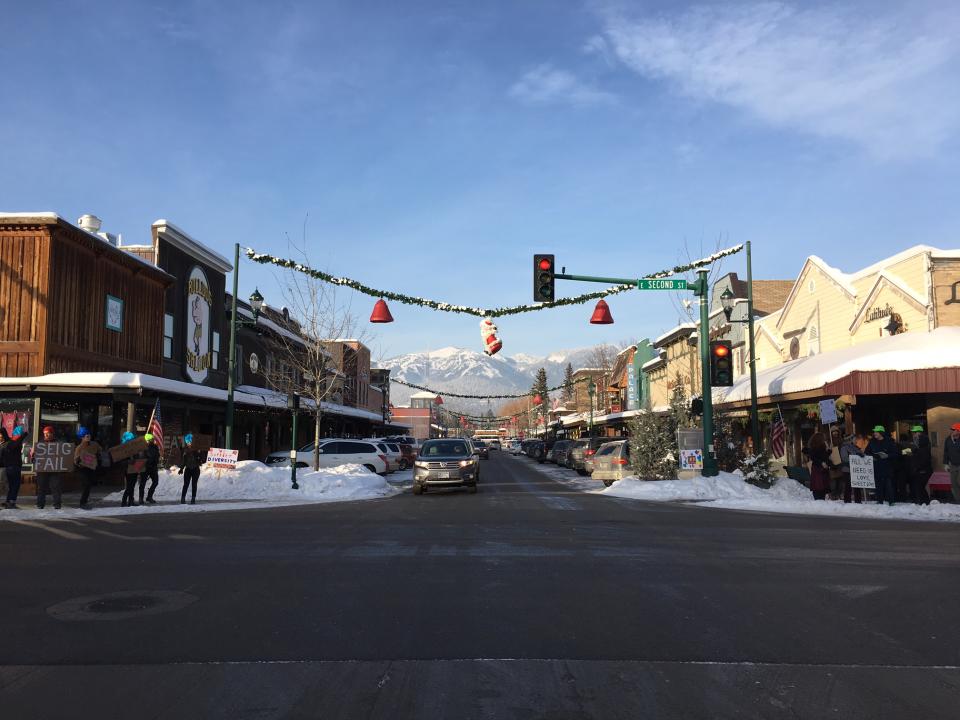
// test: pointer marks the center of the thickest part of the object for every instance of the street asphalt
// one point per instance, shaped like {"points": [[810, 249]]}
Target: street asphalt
{"points": [[527, 600]]}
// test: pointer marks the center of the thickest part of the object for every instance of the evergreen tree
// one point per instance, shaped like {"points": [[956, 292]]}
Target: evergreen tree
{"points": [[566, 395], [654, 454], [540, 388]]}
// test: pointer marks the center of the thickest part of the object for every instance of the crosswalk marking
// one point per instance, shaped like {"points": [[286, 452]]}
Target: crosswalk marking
{"points": [[49, 528]]}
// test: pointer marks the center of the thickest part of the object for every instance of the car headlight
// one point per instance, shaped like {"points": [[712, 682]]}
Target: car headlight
{"points": [[420, 465], [467, 463]]}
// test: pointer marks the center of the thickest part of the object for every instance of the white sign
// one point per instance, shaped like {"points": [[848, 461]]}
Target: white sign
{"points": [[861, 472], [199, 303], [828, 412], [691, 460], [222, 458]]}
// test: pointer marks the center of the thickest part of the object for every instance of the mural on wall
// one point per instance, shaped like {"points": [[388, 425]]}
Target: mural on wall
{"points": [[199, 304]]}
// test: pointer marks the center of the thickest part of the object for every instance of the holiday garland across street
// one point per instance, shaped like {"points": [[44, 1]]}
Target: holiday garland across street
{"points": [[444, 393], [267, 259]]}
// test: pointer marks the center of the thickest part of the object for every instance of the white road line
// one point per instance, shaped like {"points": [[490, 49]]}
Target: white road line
{"points": [[56, 531], [124, 537]]}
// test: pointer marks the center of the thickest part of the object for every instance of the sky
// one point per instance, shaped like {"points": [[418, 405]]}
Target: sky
{"points": [[431, 148]]}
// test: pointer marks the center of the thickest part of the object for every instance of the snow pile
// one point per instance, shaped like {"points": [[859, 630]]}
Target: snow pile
{"points": [[252, 480]]}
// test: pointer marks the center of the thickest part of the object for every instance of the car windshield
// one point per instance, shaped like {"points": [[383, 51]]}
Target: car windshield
{"points": [[444, 448], [479, 443]]}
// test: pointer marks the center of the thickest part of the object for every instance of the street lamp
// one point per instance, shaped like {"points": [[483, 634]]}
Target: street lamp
{"points": [[591, 391], [256, 304], [293, 402]]}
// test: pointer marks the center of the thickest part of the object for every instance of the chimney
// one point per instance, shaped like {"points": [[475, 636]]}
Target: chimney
{"points": [[90, 223]]}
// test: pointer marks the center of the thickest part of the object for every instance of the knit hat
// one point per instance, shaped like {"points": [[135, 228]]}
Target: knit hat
{"points": [[879, 428], [127, 437], [956, 427], [916, 428], [148, 437], [188, 438], [82, 433], [18, 432], [49, 429]]}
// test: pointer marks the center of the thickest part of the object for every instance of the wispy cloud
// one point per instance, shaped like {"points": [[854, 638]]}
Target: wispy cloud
{"points": [[885, 83], [546, 84]]}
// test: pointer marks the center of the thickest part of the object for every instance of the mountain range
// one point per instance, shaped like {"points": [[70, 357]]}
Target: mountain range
{"points": [[459, 370]]}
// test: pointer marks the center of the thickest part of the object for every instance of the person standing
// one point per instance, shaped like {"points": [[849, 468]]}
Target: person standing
{"points": [[152, 470], [919, 463], [11, 457], [49, 481], [884, 451], [951, 459], [190, 469], [86, 458], [131, 473], [847, 448], [819, 466]]}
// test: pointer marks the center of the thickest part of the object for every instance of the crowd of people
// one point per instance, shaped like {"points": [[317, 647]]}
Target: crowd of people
{"points": [[901, 470], [88, 462]]}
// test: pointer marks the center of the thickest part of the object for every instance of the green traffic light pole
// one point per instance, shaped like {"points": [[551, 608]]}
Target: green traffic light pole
{"points": [[256, 303]]}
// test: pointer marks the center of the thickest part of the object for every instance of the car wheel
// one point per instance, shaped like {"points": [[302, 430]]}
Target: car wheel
{"points": [[581, 472], [608, 483], [403, 465], [371, 468], [417, 488]]}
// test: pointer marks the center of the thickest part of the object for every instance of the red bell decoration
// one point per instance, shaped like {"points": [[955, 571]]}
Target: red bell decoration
{"points": [[601, 314], [381, 313], [439, 400], [537, 399]]}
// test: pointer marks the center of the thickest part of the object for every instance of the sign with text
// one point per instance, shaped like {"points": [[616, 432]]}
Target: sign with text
{"points": [[861, 472], [661, 284], [828, 412], [53, 457], [223, 459], [691, 459], [128, 449]]}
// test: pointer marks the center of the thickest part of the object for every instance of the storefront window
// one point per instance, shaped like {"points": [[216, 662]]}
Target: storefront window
{"points": [[18, 412], [62, 415], [215, 350], [167, 335]]}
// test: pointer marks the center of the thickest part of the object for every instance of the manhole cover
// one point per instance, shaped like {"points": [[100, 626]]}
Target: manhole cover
{"points": [[121, 605]]}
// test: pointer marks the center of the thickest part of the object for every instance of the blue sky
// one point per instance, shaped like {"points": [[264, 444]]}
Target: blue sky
{"points": [[432, 148]]}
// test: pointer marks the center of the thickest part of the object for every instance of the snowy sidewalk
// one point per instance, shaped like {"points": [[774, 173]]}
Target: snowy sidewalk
{"points": [[728, 490], [251, 485]]}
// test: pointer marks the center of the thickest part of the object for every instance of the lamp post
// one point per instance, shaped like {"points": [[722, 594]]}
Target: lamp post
{"points": [[591, 391], [293, 402], [726, 300], [256, 304]]}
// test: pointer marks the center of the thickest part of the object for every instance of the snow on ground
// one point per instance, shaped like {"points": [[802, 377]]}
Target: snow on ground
{"points": [[728, 490], [252, 484]]}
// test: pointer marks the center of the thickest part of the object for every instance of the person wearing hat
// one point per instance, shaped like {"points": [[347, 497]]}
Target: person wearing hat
{"points": [[917, 464], [152, 470], [11, 457], [190, 469], [849, 447], [951, 459], [884, 451], [86, 459], [49, 481], [132, 472]]}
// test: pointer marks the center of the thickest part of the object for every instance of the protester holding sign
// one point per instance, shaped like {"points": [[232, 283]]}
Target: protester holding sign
{"points": [[918, 464], [11, 458], [135, 465], [884, 451], [190, 469], [152, 469], [847, 448], [49, 458], [86, 458], [951, 459]]}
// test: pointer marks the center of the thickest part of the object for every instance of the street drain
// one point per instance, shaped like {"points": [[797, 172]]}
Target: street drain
{"points": [[121, 605]]}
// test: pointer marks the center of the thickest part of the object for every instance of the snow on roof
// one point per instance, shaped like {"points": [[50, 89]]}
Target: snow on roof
{"points": [[423, 395], [939, 348], [192, 246], [268, 323], [673, 330]]}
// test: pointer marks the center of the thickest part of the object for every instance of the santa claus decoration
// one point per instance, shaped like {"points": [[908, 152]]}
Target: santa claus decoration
{"points": [[488, 331]]}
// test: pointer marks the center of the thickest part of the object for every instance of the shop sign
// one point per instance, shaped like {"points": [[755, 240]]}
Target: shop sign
{"points": [[878, 313], [223, 458], [199, 304], [633, 377], [53, 457], [861, 472]]}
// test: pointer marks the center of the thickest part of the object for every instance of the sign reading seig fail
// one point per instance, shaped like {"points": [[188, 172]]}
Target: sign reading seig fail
{"points": [[53, 457]]}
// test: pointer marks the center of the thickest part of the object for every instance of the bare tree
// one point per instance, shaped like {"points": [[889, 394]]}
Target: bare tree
{"points": [[682, 300], [602, 357]]}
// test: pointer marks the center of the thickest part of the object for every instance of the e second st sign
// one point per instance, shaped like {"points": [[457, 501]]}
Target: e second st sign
{"points": [[53, 457]]}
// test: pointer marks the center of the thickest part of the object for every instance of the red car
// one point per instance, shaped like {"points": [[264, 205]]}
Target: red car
{"points": [[408, 455]]}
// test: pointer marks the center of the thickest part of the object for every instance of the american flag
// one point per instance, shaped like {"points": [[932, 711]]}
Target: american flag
{"points": [[778, 437], [155, 427]]}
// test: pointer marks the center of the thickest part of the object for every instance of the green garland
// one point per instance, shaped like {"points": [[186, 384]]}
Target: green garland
{"points": [[265, 258], [444, 393]]}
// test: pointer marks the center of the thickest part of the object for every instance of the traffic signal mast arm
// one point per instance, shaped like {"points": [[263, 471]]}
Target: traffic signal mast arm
{"points": [[639, 283]]}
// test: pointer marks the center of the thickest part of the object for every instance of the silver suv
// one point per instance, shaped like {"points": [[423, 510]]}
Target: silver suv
{"points": [[446, 463]]}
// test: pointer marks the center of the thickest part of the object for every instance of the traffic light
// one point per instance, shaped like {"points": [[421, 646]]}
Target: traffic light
{"points": [[721, 363], [543, 280]]}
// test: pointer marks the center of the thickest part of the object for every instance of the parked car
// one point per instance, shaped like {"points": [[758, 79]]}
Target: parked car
{"points": [[558, 453], [481, 448], [612, 462], [392, 451], [494, 444], [581, 454], [447, 462], [515, 447], [335, 452]]}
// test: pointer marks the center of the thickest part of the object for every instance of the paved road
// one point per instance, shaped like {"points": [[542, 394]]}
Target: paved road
{"points": [[528, 600]]}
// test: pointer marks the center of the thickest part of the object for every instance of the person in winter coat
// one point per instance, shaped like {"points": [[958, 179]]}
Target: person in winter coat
{"points": [[951, 459], [849, 447], [820, 465], [86, 459], [918, 464], [49, 481], [884, 452], [11, 457], [152, 471], [131, 473], [190, 469]]}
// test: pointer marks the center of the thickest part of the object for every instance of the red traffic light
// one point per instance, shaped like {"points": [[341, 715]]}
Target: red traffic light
{"points": [[721, 350], [546, 263]]}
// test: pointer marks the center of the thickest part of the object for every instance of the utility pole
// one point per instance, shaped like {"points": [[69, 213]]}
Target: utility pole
{"points": [[754, 412], [702, 290]]}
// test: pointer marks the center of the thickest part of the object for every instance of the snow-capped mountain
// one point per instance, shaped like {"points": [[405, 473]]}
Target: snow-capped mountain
{"points": [[469, 372]]}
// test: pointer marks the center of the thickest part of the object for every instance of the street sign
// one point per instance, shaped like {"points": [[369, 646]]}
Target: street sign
{"points": [[661, 284], [861, 472], [222, 458]]}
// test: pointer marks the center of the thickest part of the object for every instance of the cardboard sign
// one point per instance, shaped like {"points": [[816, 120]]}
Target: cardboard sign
{"points": [[222, 458], [88, 460], [128, 449], [828, 412], [136, 466], [861, 472], [53, 457]]}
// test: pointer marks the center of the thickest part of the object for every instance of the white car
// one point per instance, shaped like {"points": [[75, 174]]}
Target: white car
{"points": [[336, 452], [392, 453]]}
